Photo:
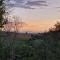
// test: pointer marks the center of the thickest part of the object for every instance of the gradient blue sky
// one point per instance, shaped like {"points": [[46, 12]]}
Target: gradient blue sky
{"points": [[40, 15]]}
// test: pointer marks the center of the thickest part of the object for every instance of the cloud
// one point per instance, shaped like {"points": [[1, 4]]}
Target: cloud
{"points": [[27, 7], [21, 6], [58, 7], [26, 4], [19, 1], [36, 3]]}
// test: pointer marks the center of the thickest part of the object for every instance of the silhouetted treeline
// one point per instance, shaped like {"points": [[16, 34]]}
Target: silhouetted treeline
{"points": [[41, 46]]}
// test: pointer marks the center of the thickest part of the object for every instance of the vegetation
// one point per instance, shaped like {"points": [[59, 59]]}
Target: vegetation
{"points": [[44, 46], [2, 12]]}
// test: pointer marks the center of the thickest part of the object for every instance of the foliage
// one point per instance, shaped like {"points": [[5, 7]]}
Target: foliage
{"points": [[44, 46], [56, 27], [2, 12]]}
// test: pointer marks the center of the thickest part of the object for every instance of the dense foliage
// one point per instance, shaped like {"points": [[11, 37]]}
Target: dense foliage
{"points": [[42, 46], [2, 12]]}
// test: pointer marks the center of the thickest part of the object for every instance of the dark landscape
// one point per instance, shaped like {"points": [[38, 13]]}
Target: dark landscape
{"points": [[18, 37], [29, 46]]}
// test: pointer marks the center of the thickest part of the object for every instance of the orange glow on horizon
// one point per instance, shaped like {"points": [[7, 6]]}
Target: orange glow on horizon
{"points": [[32, 26]]}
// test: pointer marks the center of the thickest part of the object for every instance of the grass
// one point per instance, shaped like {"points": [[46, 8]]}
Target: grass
{"points": [[8, 39]]}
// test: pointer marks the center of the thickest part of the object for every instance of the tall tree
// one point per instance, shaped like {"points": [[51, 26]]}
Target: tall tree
{"points": [[56, 27], [2, 12]]}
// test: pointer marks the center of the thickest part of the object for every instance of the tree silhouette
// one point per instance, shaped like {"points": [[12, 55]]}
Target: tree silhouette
{"points": [[56, 27], [2, 12]]}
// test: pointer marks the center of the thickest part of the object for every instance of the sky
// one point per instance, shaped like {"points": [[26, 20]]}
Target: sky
{"points": [[39, 15]]}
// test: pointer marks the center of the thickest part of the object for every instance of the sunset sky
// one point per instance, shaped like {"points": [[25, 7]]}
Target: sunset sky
{"points": [[39, 15]]}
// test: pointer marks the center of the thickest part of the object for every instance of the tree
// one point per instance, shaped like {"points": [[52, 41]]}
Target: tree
{"points": [[2, 12], [56, 27]]}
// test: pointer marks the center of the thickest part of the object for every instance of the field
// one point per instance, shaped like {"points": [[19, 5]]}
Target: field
{"points": [[22, 46]]}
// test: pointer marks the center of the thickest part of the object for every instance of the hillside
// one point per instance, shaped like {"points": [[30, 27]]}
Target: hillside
{"points": [[15, 35]]}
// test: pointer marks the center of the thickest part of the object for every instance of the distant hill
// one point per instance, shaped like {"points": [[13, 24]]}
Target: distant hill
{"points": [[15, 35]]}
